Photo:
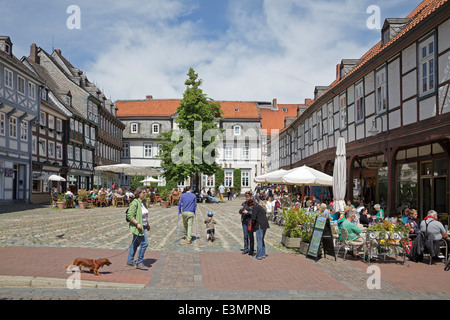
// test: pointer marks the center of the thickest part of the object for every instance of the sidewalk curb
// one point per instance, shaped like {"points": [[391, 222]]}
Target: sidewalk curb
{"points": [[40, 282]]}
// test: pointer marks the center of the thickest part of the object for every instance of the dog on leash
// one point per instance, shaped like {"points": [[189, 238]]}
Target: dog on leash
{"points": [[92, 264]]}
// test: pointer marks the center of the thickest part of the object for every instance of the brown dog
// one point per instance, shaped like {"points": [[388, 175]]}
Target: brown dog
{"points": [[92, 264]]}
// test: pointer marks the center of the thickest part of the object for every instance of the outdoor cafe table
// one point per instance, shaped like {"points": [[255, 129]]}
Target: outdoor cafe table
{"points": [[390, 243]]}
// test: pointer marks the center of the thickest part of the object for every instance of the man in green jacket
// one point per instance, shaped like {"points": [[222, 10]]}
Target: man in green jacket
{"points": [[138, 217], [353, 231]]}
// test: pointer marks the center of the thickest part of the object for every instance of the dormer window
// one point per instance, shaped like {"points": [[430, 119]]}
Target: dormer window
{"points": [[236, 109], [134, 127], [8, 49], [284, 109], [155, 128], [69, 99], [386, 36]]}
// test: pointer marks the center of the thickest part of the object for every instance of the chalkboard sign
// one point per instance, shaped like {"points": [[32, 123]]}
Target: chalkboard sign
{"points": [[321, 235]]}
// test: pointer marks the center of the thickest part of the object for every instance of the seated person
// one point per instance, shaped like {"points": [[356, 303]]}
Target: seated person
{"points": [[380, 212], [411, 223], [435, 230], [363, 218], [129, 196], [208, 198], [109, 196], [94, 194], [354, 233]]}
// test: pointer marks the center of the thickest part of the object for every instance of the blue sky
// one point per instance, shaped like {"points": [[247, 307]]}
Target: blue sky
{"points": [[244, 50]]}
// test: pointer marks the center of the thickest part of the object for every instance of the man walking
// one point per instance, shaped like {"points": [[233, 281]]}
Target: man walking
{"points": [[187, 206], [221, 191]]}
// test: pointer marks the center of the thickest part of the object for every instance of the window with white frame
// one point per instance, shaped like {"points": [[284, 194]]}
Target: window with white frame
{"points": [[134, 127], [311, 136], [42, 147], [77, 154], [148, 150], [31, 90], [2, 123], [8, 78], [126, 150], [228, 178], [24, 130], [70, 152], [43, 119], [59, 151], [33, 145], [13, 127], [51, 149], [330, 118], [381, 91], [228, 152], [359, 102], [58, 125], [237, 130], [427, 65], [245, 152], [158, 149], [208, 181], [245, 178], [155, 128], [51, 122], [21, 85], [343, 111], [319, 125]]}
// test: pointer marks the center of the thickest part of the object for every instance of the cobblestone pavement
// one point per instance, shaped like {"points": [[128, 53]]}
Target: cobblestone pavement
{"points": [[45, 240]]}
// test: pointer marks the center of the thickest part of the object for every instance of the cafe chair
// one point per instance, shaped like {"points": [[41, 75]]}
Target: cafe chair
{"points": [[118, 201], [175, 200], [347, 243], [102, 200]]}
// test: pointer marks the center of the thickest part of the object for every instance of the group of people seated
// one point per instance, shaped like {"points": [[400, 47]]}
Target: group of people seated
{"points": [[356, 221], [107, 197]]}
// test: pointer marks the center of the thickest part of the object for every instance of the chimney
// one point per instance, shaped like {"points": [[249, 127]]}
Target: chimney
{"points": [[58, 51], [148, 97], [338, 72], [34, 53], [274, 104]]}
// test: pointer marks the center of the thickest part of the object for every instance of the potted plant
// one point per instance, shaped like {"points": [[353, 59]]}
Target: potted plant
{"points": [[291, 235], [307, 220], [83, 196], [61, 201], [165, 198]]}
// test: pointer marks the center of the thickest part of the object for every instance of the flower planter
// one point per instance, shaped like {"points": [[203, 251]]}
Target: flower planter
{"points": [[61, 205], [82, 205], [165, 204], [303, 247], [290, 242]]}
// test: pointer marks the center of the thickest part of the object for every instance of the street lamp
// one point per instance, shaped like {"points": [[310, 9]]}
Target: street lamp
{"points": [[374, 131]]}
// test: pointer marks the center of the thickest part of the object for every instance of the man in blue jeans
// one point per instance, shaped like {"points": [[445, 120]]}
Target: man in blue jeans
{"points": [[187, 205]]}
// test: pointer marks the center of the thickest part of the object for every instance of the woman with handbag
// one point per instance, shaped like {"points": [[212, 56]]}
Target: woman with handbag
{"points": [[260, 224], [138, 217], [246, 214]]}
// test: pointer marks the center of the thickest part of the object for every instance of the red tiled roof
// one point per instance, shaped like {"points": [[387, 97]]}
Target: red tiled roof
{"points": [[166, 108], [274, 119]]}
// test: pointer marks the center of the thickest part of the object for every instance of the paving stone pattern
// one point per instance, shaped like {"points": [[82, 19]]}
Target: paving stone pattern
{"points": [[38, 242]]}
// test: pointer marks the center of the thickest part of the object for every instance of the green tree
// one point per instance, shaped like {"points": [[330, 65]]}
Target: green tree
{"points": [[191, 150]]}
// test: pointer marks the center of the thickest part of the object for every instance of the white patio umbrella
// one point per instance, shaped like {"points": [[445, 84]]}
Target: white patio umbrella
{"points": [[307, 176], [271, 177], [129, 169], [51, 177], [340, 176], [150, 180]]}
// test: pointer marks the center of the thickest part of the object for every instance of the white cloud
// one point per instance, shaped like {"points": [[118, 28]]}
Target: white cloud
{"points": [[280, 50]]}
